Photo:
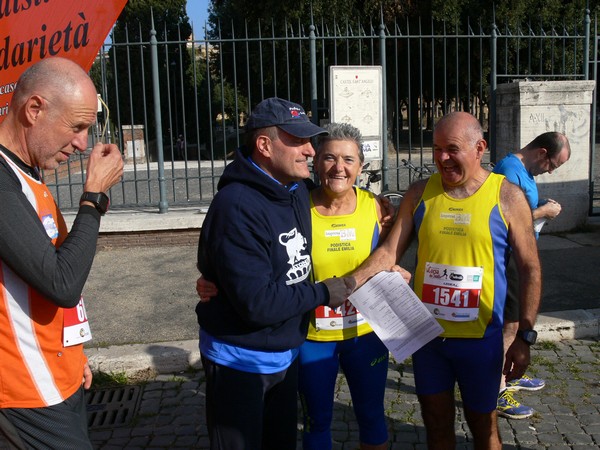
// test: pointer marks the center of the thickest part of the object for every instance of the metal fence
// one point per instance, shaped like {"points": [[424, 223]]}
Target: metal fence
{"points": [[176, 106]]}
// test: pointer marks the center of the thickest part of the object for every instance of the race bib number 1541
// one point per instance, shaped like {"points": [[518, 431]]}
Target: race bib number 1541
{"points": [[452, 292]]}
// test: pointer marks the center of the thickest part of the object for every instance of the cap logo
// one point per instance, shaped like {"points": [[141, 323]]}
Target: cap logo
{"points": [[296, 113]]}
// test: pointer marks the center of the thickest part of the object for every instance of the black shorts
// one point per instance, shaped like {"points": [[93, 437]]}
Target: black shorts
{"points": [[59, 426], [511, 308]]}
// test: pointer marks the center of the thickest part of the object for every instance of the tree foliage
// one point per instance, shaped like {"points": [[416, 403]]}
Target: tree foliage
{"points": [[422, 82], [130, 61]]}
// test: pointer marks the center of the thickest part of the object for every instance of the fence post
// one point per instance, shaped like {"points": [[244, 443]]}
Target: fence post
{"points": [[586, 46], [163, 205], [314, 104], [384, 138], [493, 86]]}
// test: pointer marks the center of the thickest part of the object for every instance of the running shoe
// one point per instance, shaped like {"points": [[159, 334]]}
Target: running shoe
{"points": [[525, 384], [510, 408]]}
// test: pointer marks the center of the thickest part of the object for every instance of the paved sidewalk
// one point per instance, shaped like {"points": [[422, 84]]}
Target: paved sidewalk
{"points": [[141, 306], [171, 413]]}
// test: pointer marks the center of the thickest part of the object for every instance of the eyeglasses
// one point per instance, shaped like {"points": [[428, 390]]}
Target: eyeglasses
{"points": [[552, 164], [103, 134]]}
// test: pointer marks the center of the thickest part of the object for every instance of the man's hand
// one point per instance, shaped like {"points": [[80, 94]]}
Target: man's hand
{"points": [[405, 273], [87, 376], [206, 289], [550, 209], [388, 212], [517, 359], [104, 168], [339, 290]]}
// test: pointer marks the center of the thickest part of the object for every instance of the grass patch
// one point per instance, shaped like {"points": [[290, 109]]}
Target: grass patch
{"points": [[595, 346], [177, 379], [575, 370], [103, 380], [547, 345], [112, 379], [538, 360]]}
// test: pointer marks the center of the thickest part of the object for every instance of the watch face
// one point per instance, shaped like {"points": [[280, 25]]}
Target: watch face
{"points": [[529, 336], [99, 199]]}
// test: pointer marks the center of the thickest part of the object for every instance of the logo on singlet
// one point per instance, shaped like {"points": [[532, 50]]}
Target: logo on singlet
{"points": [[50, 226]]}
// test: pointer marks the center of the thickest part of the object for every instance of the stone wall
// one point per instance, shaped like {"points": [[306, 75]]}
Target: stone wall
{"points": [[526, 109]]}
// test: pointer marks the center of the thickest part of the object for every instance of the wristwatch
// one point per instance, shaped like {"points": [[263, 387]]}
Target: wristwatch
{"points": [[99, 199], [529, 336]]}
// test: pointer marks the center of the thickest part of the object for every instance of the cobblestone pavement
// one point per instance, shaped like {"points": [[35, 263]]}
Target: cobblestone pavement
{"points": [[171, 411]]}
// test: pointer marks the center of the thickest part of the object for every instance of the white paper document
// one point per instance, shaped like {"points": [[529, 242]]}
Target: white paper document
{"points": [[396, 314], [538, 224]]}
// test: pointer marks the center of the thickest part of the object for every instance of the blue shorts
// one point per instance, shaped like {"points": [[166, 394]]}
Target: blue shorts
{"points": [[364, 361], [476, 364]]}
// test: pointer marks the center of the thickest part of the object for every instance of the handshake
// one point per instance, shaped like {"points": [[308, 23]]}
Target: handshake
{"points": [[339, 289]]}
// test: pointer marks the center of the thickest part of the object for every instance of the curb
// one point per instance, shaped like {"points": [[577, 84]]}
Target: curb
{"points": [[162, 357], [179, 356], [573, 324]]}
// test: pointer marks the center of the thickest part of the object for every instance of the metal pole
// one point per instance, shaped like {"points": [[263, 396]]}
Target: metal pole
{"points": [[163, 205], [586, 46], [384, 143], [493, 85], [314, 104]]}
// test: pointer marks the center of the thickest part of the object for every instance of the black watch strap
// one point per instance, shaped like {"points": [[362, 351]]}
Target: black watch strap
{"points": [[99, 199], [529, 336]]}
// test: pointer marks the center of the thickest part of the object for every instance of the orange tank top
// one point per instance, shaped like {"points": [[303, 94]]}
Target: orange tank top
{"points": [[36, 370]]}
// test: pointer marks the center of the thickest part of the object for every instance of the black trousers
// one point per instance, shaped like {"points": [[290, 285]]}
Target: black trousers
{"points": [[251, 411]]}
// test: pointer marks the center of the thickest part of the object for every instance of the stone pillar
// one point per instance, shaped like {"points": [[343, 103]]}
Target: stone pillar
{"points": [[133, 140], [526, 109]]}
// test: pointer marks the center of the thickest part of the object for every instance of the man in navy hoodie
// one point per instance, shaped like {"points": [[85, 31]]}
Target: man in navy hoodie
{"points": [[255, 245]]}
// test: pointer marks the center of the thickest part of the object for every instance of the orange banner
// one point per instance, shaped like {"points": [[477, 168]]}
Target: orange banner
{"points": [[31, 30]]}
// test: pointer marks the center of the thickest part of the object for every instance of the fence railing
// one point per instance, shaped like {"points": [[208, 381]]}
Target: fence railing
{"points": [[178, 106]]}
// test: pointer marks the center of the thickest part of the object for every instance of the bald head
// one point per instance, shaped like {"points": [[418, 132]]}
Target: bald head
{"points": [[52, 109], [54, 79], [465, 122]]}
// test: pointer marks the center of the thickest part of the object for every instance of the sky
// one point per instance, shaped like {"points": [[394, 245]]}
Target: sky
{"points": [[197, 11]]}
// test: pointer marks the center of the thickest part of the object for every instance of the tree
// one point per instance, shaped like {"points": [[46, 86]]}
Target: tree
{"points": [[239, 18]]}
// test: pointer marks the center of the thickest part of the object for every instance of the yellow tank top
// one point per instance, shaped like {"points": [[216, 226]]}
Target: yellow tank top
{"points": [[340, 245], [461, 259]]}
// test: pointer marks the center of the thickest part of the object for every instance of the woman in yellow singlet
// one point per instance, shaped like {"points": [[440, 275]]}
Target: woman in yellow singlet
{"points": [[346, 228]]}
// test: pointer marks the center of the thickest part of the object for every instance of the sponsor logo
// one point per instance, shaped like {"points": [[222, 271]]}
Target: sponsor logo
{"points": [[459, 316], [298, 259]]}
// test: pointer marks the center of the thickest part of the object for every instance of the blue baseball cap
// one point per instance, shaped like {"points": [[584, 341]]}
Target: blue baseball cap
{"points": [[290, 117]]}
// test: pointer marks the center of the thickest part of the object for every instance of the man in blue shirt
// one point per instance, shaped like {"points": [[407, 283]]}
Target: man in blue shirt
{"points": [[544, 154]]}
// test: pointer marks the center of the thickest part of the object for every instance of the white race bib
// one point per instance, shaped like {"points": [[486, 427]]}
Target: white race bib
{"points": [[452, 292], [76, 328]]}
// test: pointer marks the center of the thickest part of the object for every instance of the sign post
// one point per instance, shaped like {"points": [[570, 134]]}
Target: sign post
{"points": [[356, 98]]}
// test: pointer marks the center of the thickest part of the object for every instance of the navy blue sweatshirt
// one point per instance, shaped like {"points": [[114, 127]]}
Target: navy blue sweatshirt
{"points": [[255, 245]]}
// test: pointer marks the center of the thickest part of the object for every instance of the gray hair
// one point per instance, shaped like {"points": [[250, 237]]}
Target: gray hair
{"points": [[340, 132]]}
